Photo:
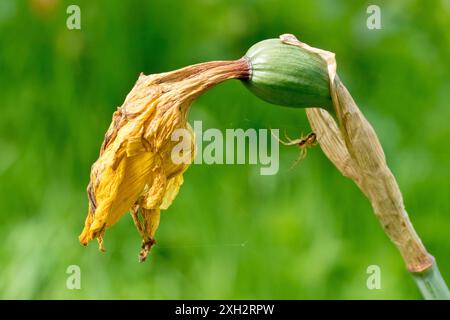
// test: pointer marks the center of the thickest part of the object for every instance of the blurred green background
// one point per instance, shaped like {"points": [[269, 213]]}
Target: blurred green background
{"points": [[307, 233]]}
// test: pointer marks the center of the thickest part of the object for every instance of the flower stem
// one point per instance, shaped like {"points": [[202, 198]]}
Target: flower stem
{"points": [[431, 284]]}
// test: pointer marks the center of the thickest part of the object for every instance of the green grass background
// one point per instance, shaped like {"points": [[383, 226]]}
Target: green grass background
{"points": [[308, 233]]}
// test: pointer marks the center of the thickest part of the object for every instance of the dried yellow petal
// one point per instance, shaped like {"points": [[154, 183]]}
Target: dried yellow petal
{"points": [[134, 170]]}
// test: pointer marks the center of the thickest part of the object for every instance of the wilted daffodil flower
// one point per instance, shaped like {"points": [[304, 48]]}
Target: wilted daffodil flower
{"points": [[134, 171]]}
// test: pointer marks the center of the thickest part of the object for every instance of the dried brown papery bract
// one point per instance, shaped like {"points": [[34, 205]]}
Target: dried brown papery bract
{"points": [[353, 147], [134, 170]]}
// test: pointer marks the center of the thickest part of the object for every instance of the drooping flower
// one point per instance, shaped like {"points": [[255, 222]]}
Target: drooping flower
{"points": [[134, 170]]}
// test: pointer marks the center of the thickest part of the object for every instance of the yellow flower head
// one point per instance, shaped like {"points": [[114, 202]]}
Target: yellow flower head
{"points": [[135, 171]]}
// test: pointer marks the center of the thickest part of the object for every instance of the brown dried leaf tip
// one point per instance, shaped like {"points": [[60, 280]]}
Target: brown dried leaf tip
{"points": [[134, 170]]}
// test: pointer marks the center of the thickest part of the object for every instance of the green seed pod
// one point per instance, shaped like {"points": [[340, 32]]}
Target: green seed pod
{"points": [[287, 75]]}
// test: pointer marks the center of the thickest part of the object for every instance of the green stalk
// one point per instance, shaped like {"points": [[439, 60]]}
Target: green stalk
{"points": [[431, 284]]}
